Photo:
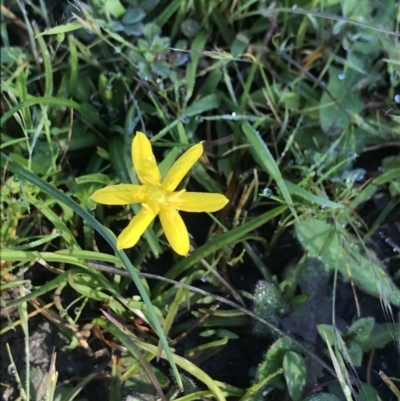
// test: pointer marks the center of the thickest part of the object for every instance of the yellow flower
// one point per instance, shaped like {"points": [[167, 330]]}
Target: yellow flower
{"points": [[158, 197]]}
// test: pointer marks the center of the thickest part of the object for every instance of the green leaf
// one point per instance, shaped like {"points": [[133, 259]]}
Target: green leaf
{"points": [[368, 393], [69, 27], [322, 241], [309, 196], [96, 177], [167, 12], [8, 55], [55, 101], [133, 15], [113, 8], [361, 329], [273, 361], [328, 331], [268, 304], [294, 369], [355, 353], [335, 113], [190, 28], [160, 68], [206, 103]]}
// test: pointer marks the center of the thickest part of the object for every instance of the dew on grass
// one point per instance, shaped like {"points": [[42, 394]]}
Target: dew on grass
{"points": [[11, 370], [267, 192]]}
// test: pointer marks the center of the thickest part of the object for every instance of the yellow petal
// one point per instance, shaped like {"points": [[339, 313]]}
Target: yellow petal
{"points": [[123, 194], [175, 230], [199, 202], [131, 234], [181, 167], [144, 160]]}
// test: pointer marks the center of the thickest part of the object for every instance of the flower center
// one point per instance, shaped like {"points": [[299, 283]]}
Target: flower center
{"points": [[156, 198], [158, 195]]}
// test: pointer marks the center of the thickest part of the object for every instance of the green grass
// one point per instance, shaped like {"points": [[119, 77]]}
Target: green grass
{"points": [[289, 98]]}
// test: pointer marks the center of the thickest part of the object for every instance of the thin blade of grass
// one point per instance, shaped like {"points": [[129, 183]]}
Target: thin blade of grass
{"points": [[268, 163], [68, 27], [55, 101]]}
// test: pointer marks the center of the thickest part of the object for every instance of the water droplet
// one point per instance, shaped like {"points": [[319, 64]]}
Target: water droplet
{"points": [[204, 279], [283, 154], [294, 6], [397, 98], [341, 76], [267, 192], [159, 80], [352, 155], [359, 174], [77, 311], [199, 119], [381, 169], [11, 369], [117, 49], [233, 114], [185, 119]]}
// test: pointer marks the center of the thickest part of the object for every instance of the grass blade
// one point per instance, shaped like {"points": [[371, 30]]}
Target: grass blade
{"points": [[268, 162]]}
